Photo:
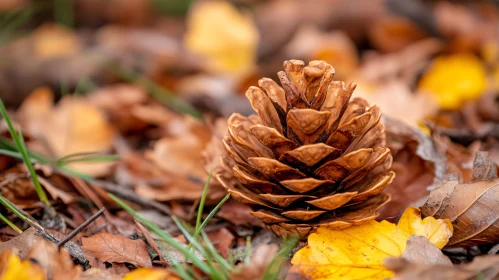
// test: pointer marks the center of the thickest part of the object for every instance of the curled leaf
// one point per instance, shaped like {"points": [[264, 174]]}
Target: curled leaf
{"points": [[358, 252], [470, 208]]}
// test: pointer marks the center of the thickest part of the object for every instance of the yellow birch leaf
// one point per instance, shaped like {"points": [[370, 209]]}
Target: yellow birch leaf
{"points": [[226, 38], [14, 269], [358, 252], [455, 79]]}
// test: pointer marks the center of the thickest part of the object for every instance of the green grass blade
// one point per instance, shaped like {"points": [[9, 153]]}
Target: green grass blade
{"points": [[182, 272], [210, 215], [10, 224], [7, 144], [165, 236], [275, 266], [214, 273], [19, 140], [86, 157], [201, 203], [220, 260]]}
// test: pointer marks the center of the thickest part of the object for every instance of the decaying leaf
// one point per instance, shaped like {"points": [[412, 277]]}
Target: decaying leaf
{"points": [[420, 250], [226, 38], [22, 243], [485, 268], [470, 208], [358, 252], [73, 126], [116, 249], [417, 163], [255, 269], [12, 268], [58, 264]]}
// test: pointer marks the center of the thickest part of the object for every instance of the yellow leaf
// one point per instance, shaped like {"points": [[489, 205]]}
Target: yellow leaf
{"points": [[149, 274], [358, 252], [14, 269], [455, 79], [73, 126], [226, 38]]}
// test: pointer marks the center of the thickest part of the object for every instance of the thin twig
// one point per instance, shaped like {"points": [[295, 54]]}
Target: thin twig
{"points": [[80, 228], [74, 250], [131, 196]]}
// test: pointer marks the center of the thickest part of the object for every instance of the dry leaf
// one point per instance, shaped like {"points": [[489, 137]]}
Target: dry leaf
{"points": [[58, 264], [455, 79], [470, 208], [420, 250], [116, 249], [73, 126], [392, 33], [417, 163], [150, 274], [485, 268], [98, 274], [225, 37], [358, 252], [222, 240], [21, 243], [255, 269], [11, 268]]}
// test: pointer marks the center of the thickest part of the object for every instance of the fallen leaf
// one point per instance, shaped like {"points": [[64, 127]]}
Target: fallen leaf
{"points": [[393, 33], [417, 163], [226, 38], [21, 243], [116, 249], [420, 250], [483, 167], [98, 274], [358, 252], [482, 267], [222, 240], [470, 208], [58, 264], [455, 79], [150, 274], [73, 126], [259, 261], [12, 268]]}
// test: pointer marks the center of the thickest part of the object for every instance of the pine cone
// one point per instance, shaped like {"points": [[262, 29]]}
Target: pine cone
{"points": [[311, 157]]}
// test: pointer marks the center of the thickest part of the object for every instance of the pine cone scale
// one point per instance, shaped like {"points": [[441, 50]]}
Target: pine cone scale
{"points": [[311, 157]]}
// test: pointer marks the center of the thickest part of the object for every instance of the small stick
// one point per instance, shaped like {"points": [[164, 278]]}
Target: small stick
{"points": [[80, 228]]}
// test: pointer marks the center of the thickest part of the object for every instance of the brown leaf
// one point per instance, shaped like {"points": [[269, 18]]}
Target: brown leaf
{"points": [[420, 250], [73, 126], [470, 207], [486, 267], [222, 239], [416, 163], [116, 249], [98, 274], [483, 167], [258, 263], [22, 243], [58, 264]]}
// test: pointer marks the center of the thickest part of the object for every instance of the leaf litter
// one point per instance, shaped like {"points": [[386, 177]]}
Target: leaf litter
{"points": [[125, 107]]}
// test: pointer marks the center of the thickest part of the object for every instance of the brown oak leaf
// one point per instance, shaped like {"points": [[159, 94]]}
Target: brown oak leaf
{"points": [[116, 249]]}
